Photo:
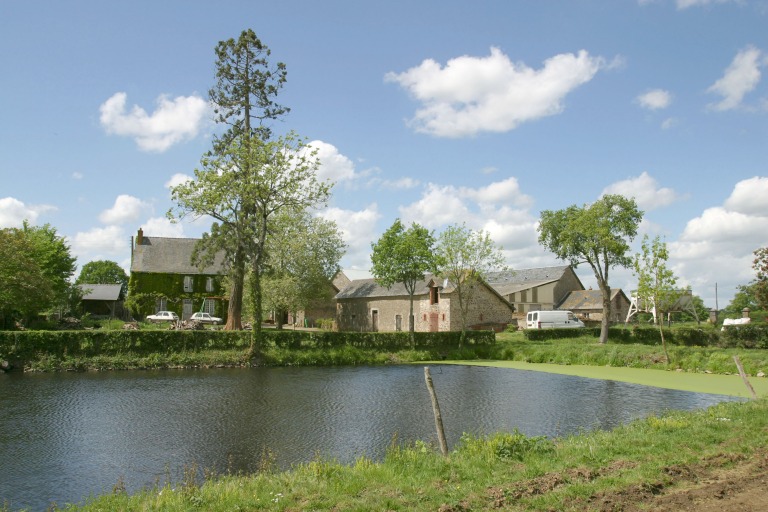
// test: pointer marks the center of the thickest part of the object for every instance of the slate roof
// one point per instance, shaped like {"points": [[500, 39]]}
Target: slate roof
{"points": [[170, 256], [587, 299], [101, 291], [511, 281], [360, 288]]}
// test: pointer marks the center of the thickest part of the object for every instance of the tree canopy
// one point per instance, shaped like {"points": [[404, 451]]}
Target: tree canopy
{"points": [[465, 257], [760, 265], [597, 234], [656, 282], [404, 256], [35, 268], [103, 272]]}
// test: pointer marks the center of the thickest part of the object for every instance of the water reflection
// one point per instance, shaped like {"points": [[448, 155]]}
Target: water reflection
{"points": [[75, 434]]}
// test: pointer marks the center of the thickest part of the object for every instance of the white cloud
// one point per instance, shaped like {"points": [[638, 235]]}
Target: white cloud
{"points": [[470, 95], [750, 197], [400, 184], [173, 121], [669, 123], [685, 4], [438, 206], [13, 212], [110, 240], [741, 77], [333, 165], [178, 179], [358, 230], [77, 175], [655, 99], [717, 246], [645, 190], [126, 209], [160, 226]]}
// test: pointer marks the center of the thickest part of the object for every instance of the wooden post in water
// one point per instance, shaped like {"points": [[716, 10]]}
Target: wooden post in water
{"points": [[744, 376], [436, 411]]}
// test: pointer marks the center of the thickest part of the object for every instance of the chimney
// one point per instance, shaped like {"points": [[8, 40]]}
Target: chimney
{"points": [[140, 237]]}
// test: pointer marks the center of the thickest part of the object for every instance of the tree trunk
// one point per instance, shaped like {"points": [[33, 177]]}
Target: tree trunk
{"points": [[606, 321], [235, 308], [257, 308], [411, 322]]}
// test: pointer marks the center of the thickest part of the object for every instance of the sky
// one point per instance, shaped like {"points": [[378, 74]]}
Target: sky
{"points": [[436, 112]]}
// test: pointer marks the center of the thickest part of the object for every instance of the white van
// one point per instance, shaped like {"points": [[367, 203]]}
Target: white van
{"points": [[551, 320]]}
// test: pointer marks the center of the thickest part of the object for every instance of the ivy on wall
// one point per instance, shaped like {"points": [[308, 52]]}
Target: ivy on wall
{"points": [[146, 288]]}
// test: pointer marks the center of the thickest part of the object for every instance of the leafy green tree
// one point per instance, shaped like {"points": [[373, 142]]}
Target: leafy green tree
{"points": [[465, 257], [656, 282], [301, 263], [24, 287], [404, 256], [244, 101], [598, 234], [52, 254], [760, 264], [746, 297], [702, 311], [247, 190], [103, 272]]}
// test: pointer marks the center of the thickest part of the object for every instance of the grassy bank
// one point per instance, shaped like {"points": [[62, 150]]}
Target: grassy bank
{"points": [[637, 462]]}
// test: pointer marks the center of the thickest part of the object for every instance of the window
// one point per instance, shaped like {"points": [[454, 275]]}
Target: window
{"points": [[209, 306], [209, 284], [161, 304], [434, 296], [188, 283], [398, 323]]}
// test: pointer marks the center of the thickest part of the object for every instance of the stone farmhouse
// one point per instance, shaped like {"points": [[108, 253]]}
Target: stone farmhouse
{"points": [[364, 305], [588, 304], [535, 289], [164, 279]]}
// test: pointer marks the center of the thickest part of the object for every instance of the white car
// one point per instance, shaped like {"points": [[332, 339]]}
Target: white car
{"points": [[163, 316], [206, 318]]}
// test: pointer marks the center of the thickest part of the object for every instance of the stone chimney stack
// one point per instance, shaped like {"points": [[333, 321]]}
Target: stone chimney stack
{"points": [[140, 237]]}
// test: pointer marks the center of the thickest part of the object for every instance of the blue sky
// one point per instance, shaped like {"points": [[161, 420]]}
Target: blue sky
{"points": [[437, 112]]}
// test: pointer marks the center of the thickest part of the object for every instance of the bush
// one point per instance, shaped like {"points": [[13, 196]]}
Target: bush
{"points": [[744, 336]]}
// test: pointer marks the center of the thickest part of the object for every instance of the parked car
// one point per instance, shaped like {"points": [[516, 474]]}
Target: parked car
{"points": [[163, 316], [206, 318]]}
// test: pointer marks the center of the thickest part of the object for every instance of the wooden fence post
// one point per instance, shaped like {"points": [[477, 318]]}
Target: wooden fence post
{"points": [[744, 376], [436, 411]]}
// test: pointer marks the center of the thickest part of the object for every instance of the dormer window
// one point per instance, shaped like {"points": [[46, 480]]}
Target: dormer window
{"points": [[434, 295]]}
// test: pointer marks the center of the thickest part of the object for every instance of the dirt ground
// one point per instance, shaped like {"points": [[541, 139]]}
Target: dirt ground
{"points": [[722, 484]]}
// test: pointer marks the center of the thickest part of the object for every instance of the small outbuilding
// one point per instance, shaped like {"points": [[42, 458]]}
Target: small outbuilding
{"points": [[103, 300], [588, 304]]}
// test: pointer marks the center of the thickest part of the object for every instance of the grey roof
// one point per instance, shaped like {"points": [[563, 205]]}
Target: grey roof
{"points": [[170, 256], [359, 288], [101, 291], [587, 299], [512, 281]]}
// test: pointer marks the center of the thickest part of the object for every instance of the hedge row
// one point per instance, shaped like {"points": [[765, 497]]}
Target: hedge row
{"points": [[741, 336], [26, 345]]}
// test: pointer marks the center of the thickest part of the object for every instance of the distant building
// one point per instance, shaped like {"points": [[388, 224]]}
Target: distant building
{"points": [[535, 289], [365, 305], [588, 304], [163, 278], [103, 300]]}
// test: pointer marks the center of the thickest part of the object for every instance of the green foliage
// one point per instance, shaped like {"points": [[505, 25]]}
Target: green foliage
{"points": [[760, 265], [103, 272], [598, 234], [146, 288], [35, 268], [465, 257], [744, 336], [557, 334], [503, 445], [404, 256]]}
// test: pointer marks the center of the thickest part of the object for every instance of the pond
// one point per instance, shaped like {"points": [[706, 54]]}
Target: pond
{"points": [[65, 436]]}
